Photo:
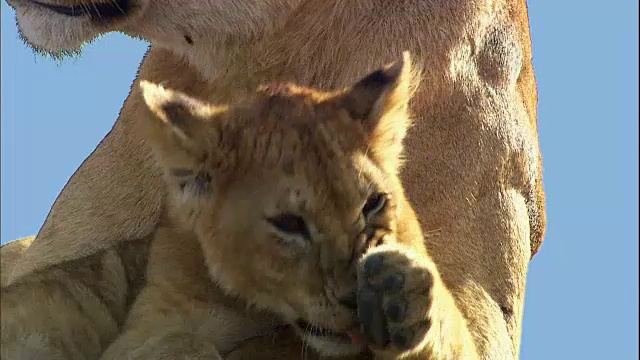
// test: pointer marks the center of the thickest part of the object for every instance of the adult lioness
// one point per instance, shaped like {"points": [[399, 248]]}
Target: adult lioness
{"points": [[475, 129], [294, 198]]}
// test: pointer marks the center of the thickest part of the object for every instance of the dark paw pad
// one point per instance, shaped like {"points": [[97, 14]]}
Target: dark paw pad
{"points": [[394, 299], [402, 339], [393, 283], [372, 318], [396, 310], [373, 265]]}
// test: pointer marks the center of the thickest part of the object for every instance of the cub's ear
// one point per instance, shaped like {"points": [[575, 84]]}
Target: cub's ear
{"points": [[176, 116], [382, 91], [180, 129], [379, 102]]}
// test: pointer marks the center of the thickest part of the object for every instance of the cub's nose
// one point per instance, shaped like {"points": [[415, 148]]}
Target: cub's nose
{"points": [[349, 300]]}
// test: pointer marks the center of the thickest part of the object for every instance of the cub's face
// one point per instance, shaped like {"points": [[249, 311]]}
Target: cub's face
{"points": [[286, 190]]}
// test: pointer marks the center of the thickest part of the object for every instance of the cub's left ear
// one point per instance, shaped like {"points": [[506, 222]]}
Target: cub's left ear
{"points": [[381, 92], [379, 102]]}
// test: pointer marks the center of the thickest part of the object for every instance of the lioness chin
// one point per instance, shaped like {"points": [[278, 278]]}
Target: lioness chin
{"points": [[293, 195]]}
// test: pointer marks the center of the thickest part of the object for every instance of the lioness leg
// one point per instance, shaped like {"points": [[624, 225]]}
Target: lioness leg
{"points": [[73, 310]]}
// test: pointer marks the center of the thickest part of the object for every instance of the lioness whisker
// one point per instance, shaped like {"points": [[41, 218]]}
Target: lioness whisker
{"points": [[115, 3]]}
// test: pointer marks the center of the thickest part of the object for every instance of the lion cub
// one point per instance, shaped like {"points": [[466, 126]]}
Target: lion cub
{"points": [[296, 209]]}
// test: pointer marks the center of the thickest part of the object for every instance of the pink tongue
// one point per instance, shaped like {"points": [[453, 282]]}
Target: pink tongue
{"points": [[356, 336]]}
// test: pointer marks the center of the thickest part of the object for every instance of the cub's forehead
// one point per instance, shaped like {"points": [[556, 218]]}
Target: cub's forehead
{"points": [[292, 105], [281, 90], [322, 194], [295, 126], [301, 131], [343, 181]]}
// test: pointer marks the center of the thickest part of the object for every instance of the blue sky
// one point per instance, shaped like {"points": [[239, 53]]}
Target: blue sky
{"points": [[582, 295]]}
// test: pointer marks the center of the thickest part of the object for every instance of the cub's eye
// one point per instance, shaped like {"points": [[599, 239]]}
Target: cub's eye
{"points": [[374, 204], [290, 224]]}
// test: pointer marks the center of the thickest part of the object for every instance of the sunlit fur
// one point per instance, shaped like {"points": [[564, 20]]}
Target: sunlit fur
{"points": [[472, 170], [9, 254], [283, 150], [70, 311]]}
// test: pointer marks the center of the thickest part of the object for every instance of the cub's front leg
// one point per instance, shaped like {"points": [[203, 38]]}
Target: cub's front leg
{"points": [[406, 311]]}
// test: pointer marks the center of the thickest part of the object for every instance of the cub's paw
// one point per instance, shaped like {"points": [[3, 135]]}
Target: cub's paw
{"points": [[395, 294]]}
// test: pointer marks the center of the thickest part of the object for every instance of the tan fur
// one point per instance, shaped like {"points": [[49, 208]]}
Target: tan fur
{"points": [[72, 310], [316, 160], [473, 171], [180, 313], [10, 254]]}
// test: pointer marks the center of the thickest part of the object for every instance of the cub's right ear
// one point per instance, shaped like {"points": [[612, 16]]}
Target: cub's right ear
{"points": [[176, 119], [178, 123], [182, 133]]}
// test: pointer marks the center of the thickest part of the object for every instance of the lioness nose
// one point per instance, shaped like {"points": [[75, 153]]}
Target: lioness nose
{"points": [[349, 300]]}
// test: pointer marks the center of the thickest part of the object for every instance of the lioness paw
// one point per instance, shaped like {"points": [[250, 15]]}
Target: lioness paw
{"points": [[394, 298]]}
